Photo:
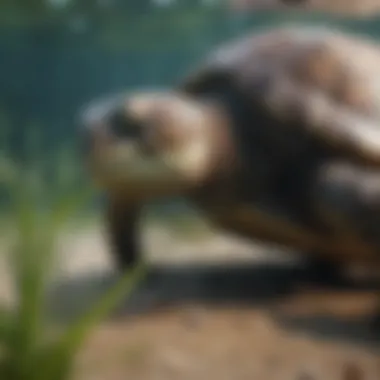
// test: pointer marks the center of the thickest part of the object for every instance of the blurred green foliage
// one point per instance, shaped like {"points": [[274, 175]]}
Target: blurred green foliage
{"points": [[45, 176], [31, 346]]}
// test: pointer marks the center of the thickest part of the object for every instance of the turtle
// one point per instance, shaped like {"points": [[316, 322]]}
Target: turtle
{"points": [[274, 136]]}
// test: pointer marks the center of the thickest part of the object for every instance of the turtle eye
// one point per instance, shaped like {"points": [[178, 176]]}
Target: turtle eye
{"points": [[124, 126]]}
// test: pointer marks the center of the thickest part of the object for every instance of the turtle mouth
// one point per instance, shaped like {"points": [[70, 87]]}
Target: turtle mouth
{"points": [[127, 167]]}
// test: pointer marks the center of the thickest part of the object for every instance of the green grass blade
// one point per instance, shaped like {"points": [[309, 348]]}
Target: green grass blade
{"points": [[6, 327], [68, 206], [37, 233], [30, 287], [63, 351]]}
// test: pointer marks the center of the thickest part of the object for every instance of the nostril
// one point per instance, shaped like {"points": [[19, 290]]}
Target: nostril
{"points": [[118, 123], [110, 116], [122, 125]]}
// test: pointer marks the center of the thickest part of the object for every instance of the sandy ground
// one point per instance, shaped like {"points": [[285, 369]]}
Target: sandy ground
{"points": [[243, 319], [219, 343]]}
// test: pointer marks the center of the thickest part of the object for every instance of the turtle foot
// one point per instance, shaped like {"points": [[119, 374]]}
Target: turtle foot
{"points": [[324, 272]]}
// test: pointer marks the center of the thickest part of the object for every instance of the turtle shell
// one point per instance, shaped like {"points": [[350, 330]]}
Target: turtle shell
{"points": [[319, 82], [300, 99]]}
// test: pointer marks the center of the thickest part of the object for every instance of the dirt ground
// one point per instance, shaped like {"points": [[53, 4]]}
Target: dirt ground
{"points": [[241, 319], [218, 343]]}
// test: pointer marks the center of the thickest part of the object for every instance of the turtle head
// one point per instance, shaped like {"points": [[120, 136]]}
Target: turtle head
{"points": [[147, 144]]}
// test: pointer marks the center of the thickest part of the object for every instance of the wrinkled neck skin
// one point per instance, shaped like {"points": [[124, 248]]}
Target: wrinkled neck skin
{"points": [[199, 154], [219, 187]]}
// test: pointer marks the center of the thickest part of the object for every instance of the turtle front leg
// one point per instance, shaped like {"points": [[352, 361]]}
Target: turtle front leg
{"points": [[348, 199], [323, 271], [122, 219]]}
